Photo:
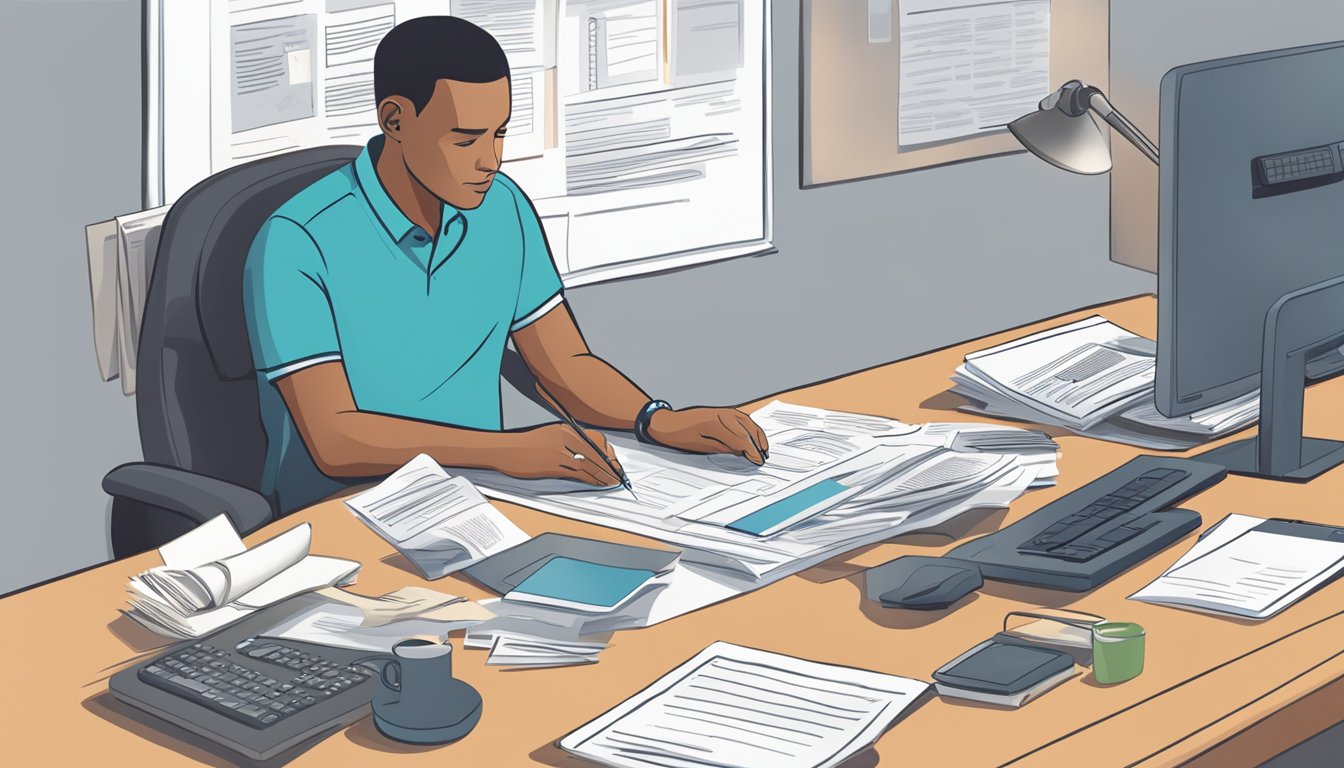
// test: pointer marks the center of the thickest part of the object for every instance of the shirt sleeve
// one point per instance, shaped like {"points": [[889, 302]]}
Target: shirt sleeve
{"points": [[285, 300], [539, 289]]}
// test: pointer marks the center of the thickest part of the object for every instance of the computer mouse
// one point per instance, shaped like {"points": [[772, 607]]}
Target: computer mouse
{"points": [[923, 583]]}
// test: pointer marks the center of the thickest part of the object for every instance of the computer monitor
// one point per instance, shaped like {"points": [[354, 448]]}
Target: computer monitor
{"points": [[1251, 209]]}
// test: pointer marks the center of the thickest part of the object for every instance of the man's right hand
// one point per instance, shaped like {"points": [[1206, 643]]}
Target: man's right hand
{"points": [[550, 451]]}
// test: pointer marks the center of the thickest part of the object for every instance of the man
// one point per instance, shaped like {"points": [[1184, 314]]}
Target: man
{"points": [[380, 298]]}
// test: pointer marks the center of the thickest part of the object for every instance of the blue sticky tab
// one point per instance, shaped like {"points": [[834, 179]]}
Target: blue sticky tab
{"points": [[577, 581], [762, 520]]}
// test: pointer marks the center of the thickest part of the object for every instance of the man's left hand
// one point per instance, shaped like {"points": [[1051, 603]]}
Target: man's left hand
{"points": [[710, 430]]}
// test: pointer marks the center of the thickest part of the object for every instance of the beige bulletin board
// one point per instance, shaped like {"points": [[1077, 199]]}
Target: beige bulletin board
{"points": [[850, 89]]}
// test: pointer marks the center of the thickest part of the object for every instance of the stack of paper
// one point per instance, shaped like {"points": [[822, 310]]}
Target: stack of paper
{"points": [[878, 472], [732, 706], [893, 478], [209, 579], [1092, 377]]}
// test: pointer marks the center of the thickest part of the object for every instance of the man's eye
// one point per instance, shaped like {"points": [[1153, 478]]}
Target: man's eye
{"points": [[466, 143]]}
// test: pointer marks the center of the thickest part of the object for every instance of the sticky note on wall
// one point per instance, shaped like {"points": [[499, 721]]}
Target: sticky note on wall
{"points": [[299, 63]]}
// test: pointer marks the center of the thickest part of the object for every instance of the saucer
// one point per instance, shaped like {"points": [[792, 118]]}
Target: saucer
{"points": [[418, 727]]}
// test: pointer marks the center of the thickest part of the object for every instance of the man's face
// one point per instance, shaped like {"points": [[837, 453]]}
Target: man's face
{"points": [[453, 147]]}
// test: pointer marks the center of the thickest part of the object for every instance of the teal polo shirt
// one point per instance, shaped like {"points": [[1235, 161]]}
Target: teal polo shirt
{"points": [[338, 273]]}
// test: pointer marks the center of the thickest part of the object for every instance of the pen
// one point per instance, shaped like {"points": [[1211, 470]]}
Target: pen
{"points": [[574, 425], [765, 455]]}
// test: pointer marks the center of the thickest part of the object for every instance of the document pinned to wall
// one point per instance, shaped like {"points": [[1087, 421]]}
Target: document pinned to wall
{"points": [[970, 66]]}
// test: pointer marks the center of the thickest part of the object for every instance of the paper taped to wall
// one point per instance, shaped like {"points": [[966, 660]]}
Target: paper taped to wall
{"points": [[970, 66]]}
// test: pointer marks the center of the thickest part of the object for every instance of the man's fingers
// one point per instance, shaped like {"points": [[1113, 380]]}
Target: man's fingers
{"points": [[587, 471], [590, 463], [600, 440], [740, 440], [756, 433], [574, 444]]}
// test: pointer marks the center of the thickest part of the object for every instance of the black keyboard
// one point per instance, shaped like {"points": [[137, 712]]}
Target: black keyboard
{"points": [[278, 682], [1110, 520], [1082, 540]]}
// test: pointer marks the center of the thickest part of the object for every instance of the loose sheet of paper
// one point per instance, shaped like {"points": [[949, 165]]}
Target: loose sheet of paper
{"points": [[1245, 572], [335, 622], [735, 706], [440, 523], [513, 650], [970, 66]]}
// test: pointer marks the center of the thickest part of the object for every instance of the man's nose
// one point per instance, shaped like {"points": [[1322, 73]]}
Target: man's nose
{"points": [[488, 161]]}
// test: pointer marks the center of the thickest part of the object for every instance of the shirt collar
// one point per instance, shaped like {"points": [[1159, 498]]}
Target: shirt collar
{"points": [[389, 215]]}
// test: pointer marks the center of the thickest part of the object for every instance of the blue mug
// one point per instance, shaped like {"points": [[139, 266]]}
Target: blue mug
{"points": [[421, 702]]}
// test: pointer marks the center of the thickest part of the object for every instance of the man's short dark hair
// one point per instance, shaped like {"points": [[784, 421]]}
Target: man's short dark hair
{"points": [[418, 53]]}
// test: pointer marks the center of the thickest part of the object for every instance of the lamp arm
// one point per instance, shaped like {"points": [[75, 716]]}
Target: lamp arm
{"points": [[1122, 125]]}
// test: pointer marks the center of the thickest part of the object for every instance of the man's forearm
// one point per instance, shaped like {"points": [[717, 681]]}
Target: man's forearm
{"points": [[595, 392], [359, 444]]}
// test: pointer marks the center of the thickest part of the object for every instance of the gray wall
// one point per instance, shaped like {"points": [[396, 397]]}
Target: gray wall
{"points": [[1149, 37], [866, 272], [71, 136]]}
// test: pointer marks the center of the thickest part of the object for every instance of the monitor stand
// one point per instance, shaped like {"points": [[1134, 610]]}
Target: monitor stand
{"points": [[1301, 325]]}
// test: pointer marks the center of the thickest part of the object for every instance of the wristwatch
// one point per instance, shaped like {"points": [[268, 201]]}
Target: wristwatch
{"points": [[645, 415]]}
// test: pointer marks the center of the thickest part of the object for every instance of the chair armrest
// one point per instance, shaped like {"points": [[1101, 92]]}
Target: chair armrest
{"points": [[196, 497]]}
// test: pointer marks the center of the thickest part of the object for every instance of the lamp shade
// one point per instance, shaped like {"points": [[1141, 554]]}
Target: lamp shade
{"points": [[1073, 143]]}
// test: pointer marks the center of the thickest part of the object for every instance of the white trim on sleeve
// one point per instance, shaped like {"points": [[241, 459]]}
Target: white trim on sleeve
{"points": [[299, 365], [536, 314]]}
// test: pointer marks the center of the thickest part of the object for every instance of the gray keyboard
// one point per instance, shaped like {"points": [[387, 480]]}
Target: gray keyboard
{"points": [[1099, 524], [279, 682], [1084, 539]]}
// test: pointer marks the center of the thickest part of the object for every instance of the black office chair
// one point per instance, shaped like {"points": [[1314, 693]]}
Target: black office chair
{"points": [[196, 389]]}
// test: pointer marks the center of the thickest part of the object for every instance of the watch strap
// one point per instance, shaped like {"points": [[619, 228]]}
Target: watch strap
{"points": [[645, 415]]}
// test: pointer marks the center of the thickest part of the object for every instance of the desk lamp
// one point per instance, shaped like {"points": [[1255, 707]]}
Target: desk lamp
{"points": [[1063, 134]]}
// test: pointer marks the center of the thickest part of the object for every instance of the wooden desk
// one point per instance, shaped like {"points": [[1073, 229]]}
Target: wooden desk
{"points": [[1215, 691]]}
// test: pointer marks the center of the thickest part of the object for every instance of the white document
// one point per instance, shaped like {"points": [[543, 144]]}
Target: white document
{"points": [[336, 622], [102, 247], [623, 43], [779, 416], [440, 523], [970, 66], [1243, 568], [509, 649], [137, 247], [735, 706]]}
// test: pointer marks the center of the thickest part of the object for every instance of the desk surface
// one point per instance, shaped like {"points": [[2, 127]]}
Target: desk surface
{"points": [[1209, 681]]}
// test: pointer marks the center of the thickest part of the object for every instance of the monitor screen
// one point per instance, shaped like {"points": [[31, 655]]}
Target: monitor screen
{"points": [[1251, 207]]}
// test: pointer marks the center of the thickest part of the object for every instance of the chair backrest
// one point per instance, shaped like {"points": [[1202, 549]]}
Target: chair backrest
{"points": [[196, 391]]}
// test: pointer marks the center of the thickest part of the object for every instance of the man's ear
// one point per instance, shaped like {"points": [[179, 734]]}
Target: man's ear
{"points": [[390, 113]]}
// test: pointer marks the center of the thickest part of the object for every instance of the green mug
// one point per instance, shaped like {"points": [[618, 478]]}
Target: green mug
{"points": [[1117, 651]]}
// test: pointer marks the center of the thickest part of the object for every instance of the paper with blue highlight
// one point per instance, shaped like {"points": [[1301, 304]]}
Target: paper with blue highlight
{"points": [[794, 508]]}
